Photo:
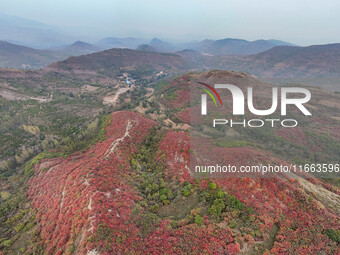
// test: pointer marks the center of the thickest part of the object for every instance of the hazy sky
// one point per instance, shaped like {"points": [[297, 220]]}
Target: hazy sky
{"points": [[302, 22]]}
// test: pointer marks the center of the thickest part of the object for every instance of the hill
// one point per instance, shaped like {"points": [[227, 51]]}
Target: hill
{"points": [[31, 33], [16, 56], [146, 47], [231, 46], [79, 48], [22, 57], [161, 46], [114, 42], [135, 185], [298, 61], [238, 47], [280, 43], [114, 60], [317, 65], [227, 46]]}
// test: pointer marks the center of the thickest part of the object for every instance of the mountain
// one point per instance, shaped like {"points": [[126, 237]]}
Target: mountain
{"points": [[31, 33], [189, 53], [281, 43], [231, 46], [300, 61], [116, 59], [22, 57], [161, 46], [316, 65], [146, 47], [113, 42], [228, 46], [79, 48], [16, 56], [197, 45]]}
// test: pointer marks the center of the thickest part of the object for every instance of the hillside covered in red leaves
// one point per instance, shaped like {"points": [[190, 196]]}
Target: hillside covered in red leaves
{"points": [[123, 184], [133, 194]]}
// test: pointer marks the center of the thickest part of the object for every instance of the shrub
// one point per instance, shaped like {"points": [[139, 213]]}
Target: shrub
{"points": [[162, 198], [235, 203], [217, 207], [187, 189], [220, 194], [333, 234], [233, 223], [7, 243], [212, 185], [199, 220]]}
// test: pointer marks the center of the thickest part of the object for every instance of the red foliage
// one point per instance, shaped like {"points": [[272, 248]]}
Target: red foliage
{"points": [[86, 200], [182, 93], [189, 239], [176, 146], [295, 135], [74, 195], [184, 115], [283, 202]]}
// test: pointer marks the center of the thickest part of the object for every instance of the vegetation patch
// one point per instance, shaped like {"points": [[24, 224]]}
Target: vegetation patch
{"points": [[232, 143]]}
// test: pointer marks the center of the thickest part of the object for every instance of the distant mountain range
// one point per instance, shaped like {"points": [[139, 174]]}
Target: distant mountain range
{"points": [[113, 42], [162, 46], [146, 47], [231, 46], [31, 33], [79, 48], [37, 58], [27, 44], [22, 57], [316, 65], [228, 46], [31, 44]]}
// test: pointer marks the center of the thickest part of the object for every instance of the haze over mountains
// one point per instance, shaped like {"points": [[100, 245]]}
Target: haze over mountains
{"points": [[316, 65], [31, 33], [22, 57], [275, 60], [11, 55]]}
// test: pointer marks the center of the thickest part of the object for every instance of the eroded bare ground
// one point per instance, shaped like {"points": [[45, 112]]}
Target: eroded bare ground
{"points": [[324, 197], [335, 118], [150, 92], [161, 116], [113, 99], [88, 88], [173, 125], [330, 103], [16, 96]]}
